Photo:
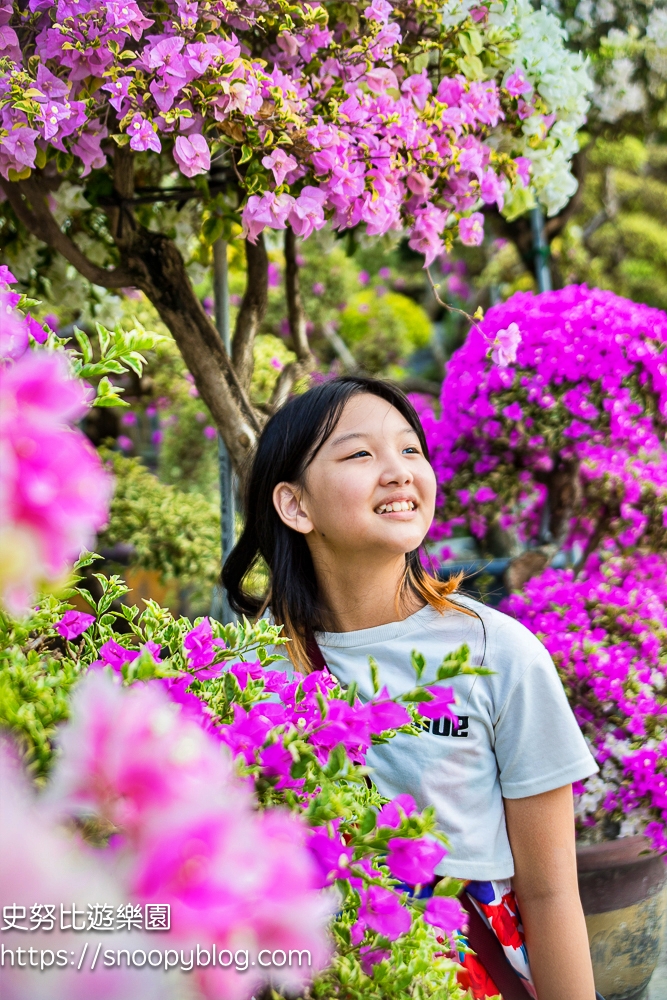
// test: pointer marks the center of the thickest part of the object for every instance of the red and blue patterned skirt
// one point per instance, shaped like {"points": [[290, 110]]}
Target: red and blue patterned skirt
{"points": [[496, 904]]}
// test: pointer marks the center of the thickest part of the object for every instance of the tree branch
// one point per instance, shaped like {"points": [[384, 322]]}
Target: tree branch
{"points": [[595, 539], [151, 262], [121, 211], [295, 310], [305, 361], [253, 307], [28, 199], [290, 374], [340, 347], [446, 305]]}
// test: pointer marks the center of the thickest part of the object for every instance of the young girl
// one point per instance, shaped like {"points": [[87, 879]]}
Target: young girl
{"points": [[339, 500]]}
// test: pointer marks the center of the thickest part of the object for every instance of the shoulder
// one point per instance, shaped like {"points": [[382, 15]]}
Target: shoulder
{"points": [[507, 642]]}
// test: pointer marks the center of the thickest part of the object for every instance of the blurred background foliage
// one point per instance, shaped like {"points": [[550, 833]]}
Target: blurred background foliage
{"points": [[368, 304]]}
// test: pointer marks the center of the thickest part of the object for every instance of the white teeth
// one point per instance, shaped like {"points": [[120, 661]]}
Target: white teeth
{"points": [[404, 505], [382, 508], [397, 505]]}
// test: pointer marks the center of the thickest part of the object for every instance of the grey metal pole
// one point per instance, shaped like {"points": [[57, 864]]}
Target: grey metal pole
{"points": [[227, 486], [540, 250]]}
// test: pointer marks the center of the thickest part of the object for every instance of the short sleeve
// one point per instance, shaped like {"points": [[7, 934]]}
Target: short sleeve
{"points": [[538, 743]]}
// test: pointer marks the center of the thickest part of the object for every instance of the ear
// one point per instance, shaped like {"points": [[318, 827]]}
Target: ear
{"points": [[288, 502]]}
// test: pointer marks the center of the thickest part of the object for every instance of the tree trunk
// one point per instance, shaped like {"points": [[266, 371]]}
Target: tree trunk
{"points": [[159, 271], [252, 309], [151, 262]]}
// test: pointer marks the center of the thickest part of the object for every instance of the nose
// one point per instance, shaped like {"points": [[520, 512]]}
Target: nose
{"points": [[396, 473]]}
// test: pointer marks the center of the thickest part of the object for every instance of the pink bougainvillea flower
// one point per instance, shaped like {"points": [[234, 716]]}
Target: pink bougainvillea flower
{"points": [[332, 856], [382, 911], [36, 330], [505, 346], [129, 756], [517, 84], [6, 276], [193, 864], [142, 135], [471, 229], [414, 861], [280, 163], [192, 154], [418, 87], [40, 862], [200, 646], [19, 144], [307, 212], [13, 328], [446, 913], [393, 813], [186, 828], [383, 713], [440, 706], [74, 623], [55, 492]]}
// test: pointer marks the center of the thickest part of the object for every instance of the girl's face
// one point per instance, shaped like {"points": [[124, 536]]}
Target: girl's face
{"points": [[369, 488]]}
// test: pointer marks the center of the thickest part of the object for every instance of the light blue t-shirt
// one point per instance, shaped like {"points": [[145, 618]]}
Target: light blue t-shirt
{"points": [[517, 735]]}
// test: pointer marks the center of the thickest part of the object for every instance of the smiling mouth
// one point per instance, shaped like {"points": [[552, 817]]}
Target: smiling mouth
{"points": [[395, 507]]}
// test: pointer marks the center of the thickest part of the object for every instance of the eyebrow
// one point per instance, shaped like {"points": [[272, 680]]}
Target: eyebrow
{"points": [[359, 434]]}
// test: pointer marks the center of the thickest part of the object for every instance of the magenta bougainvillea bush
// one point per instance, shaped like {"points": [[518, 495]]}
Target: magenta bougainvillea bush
{"points": [[213, 781], [375, 114], [54, 491], [552, 422], [607, 632]]}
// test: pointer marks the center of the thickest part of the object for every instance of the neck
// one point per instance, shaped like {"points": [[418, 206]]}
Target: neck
{"points": [[364, 593]]}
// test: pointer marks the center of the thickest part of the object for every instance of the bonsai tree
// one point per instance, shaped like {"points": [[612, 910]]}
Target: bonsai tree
{"points": [[279, 117]]}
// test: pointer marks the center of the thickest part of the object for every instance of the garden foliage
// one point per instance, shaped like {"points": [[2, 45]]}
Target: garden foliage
{"points": [[175, 533], [148, 688], [607, 632], [552, 437], [55, 491], [195, 81], [552, 424], [618, 237]]}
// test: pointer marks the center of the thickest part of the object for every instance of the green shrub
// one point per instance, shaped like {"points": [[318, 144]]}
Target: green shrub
{"points": [[173, 532]]}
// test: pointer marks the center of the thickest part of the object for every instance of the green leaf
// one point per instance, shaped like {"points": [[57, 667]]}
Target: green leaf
{"points": [[86, 559], [84, 343], [107, 394], [471, 67], [375, 674], [448, 887], [246, 153], [104, 337], [64, 161], [351, 693], [105, 367], [418, 663], [336, 762], [212, 229], [135, 361], [300, 767], [471, 42], [368, 822]]}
